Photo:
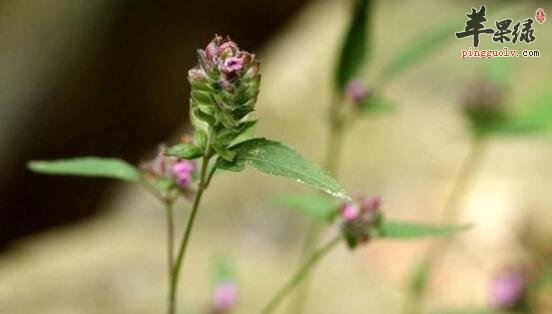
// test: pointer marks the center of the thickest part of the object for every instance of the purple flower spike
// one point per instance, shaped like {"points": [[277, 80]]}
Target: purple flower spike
{"points": [[508, 289], [232, 65], [225, 297], [356, 91]]}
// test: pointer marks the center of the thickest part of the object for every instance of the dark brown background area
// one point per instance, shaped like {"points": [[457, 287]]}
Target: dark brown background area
{"points": [[126, 94]]}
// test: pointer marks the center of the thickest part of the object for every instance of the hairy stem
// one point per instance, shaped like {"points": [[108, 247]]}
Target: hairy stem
{"points": [[187, 233], [301, 273], [452, 211]]}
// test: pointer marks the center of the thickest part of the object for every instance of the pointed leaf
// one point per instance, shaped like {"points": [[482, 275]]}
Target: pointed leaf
{"points": [[317, 206], [277, 159], [87, 167], [354, 51], [406, 230]]}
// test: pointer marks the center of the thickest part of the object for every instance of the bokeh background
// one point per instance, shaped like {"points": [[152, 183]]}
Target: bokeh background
{"points": [[109, 78]]}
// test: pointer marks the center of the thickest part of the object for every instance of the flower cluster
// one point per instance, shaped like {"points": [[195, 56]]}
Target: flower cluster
{"points": [[224, 89], [360, 219], [483, 104], [225, 298], [167, 168]]}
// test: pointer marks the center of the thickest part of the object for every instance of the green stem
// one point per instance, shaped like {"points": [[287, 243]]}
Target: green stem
{"points": [[303, 271], [333, 156], [186, 237], [170, 246], [453, 209]]}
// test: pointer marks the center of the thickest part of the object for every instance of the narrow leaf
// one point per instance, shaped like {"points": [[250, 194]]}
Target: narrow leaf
{"points": [[277, 159], [354, 51], [317, 206], [420, 49], [406, 230], [87, 167]]}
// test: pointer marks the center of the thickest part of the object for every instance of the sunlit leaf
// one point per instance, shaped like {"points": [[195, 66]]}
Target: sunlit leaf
{"points": [[318, 206], [277, 159], [407, 230], [355, 47], [87, 167]]}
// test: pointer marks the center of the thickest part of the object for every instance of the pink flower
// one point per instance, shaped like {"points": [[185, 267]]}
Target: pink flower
{"points": [[232, 65], [349, 211], [183, 171], [225, 297], [356, 91], [508, 289]]}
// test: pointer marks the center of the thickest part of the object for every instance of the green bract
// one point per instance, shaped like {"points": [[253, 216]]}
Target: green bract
{"points": [[224, 89]]}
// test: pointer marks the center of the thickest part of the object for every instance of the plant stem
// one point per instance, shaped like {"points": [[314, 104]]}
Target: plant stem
{"points": [[186, 237], [333, 154], [170, 244], [453, 209], [303, 271]]}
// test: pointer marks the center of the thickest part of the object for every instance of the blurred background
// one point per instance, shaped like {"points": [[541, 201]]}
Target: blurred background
{"points": [[108, 78]]}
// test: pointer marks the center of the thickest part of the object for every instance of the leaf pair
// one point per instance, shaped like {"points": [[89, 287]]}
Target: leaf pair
{"points": [[265, 155], [324, 209]]}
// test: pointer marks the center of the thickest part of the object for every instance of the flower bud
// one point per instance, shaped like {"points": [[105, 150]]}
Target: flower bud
{"points": [[483, 104], [169, 168], [225, 298], [360, 218], [508, 289], [224, 89], [356, 91]]}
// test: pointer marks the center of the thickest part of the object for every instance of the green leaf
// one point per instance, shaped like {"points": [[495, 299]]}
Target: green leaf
{"points": [[277, 159], [536, 118], [419, 49], [377, 104], [246, 133], [354, 51], [87, 167], [185, 151], [406, 230], [317, 206]]}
